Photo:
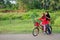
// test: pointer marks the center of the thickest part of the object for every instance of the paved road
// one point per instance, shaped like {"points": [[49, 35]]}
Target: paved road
{"points": [[29, 37]]}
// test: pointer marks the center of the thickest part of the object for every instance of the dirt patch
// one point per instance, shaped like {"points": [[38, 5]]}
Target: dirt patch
{"points": [[6, 11]]}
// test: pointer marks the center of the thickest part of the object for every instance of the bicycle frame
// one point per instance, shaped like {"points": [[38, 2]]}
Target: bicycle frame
{"points": [[36, 24]]}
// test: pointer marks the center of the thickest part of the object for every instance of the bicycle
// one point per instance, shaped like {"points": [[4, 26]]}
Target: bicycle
{"points": [[37, 25]]}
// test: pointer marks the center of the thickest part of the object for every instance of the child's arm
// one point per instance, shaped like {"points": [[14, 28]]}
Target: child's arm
{"points": [[40, 19]]}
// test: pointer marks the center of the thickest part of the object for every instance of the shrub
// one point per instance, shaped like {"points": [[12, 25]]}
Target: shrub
{"points": [[57, 21]]}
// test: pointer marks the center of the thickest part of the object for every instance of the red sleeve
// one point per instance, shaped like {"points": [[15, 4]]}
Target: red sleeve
{"points": [[40, 19]]}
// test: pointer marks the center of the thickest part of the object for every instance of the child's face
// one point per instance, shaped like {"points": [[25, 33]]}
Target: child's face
{"points": [[46, 13], [43, 14]]}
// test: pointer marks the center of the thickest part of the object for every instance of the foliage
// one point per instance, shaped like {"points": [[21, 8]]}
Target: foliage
{"points": [[57, 21], [32, 4], [42, 4], [22, 22]]}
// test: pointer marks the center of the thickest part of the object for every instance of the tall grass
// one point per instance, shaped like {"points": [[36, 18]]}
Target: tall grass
{"points": [[22, 22]]}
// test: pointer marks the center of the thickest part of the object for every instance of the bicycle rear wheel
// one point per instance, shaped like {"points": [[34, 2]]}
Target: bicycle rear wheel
{"points": [[49, 30], [35, 31]]}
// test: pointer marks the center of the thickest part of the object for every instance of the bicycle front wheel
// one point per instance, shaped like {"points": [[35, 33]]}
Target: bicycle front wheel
{"points": [[35, 31]]}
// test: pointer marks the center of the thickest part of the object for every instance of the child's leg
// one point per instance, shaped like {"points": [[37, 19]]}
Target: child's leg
{"points": [[44, 27], [41, 24]]}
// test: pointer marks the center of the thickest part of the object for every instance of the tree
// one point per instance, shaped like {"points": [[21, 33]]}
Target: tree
{"points": [[41, 4], [1, 3]]}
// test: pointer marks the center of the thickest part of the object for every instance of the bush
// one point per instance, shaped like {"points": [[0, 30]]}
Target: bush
{"points": [[57, 21], [26, 16], [53, 17]]}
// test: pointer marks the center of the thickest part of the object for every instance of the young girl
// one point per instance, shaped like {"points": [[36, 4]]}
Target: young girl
{"points": [[47, 16], [44, 22], [48, 20]]}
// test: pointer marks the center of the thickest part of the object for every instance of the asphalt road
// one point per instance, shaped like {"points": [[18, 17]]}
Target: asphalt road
{"points": [[29, 37]]}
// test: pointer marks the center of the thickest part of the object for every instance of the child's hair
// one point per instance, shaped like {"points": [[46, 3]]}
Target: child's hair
{"points": [[43, 15], [47, 12], [47, 15]]}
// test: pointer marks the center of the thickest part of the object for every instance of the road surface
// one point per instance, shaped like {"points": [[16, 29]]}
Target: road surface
{"points": [[29, 37]]}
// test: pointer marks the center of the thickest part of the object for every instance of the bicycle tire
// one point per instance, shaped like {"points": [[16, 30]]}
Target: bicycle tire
{"points": [[49, 30], [35, 31]]}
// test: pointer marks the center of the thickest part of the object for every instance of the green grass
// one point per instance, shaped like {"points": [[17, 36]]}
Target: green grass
{"points": [[56, 28], [20, 26], [12, 23], [16, 26]]}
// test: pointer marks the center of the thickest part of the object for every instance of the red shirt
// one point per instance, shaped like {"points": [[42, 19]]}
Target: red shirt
{"points": [[44, 21]]}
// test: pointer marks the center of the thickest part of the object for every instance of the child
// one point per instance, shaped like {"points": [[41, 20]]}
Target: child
{"points": [[44, 21]]}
